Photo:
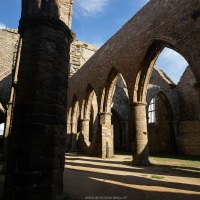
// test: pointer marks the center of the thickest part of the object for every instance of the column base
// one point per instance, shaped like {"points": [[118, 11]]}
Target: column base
{"points": [[141, 162]]}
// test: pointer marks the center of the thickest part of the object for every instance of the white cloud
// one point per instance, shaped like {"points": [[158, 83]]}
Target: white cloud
{"points": [[2, 26], [172, 63], [90, 7]]}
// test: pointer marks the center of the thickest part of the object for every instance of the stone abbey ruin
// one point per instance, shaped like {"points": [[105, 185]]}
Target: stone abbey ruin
{"points": [[61, 95]]}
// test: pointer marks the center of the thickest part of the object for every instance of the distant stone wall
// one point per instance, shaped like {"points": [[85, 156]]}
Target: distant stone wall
{"points": [[188, 100], [80, 52], [163, 134], [190, 137], [159, 133], [120, 115], [8, 47], [189, 114], [185, 124], [66, 11]]}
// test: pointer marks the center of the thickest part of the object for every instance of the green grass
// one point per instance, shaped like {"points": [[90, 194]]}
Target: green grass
{"points": [[179, 157], [157, 177]]}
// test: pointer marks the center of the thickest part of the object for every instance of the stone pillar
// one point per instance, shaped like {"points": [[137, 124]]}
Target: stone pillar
{"points": [[141, 153], [85, 128], [106, 135], [35, 155], [68, 136], [74, 137]]}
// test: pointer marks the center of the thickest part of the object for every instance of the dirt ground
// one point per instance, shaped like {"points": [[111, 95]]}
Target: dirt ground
{"points": [[166, 179]]}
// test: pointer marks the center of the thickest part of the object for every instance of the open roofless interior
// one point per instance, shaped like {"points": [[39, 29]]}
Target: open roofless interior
{"points": [[81, 122]]}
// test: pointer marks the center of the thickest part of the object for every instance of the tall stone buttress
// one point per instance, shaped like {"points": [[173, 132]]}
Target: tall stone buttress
{"points": [[37, 142]]}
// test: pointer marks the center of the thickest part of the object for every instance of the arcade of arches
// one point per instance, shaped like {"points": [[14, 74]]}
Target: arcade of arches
{"points": [[117, 100]]}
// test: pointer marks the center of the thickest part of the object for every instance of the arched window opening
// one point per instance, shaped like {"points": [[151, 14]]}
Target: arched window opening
{"points": [[152, 112], [2, 129], [172, 63]]}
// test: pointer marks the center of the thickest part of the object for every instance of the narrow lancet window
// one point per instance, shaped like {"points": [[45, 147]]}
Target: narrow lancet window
{"points": [[151, 112]]}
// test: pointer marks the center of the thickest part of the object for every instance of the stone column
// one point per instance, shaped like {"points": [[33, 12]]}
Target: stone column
{"points": [[85, 128], [106, 135], [69, 132], [35, 155], [141, 153], [74, 137]]}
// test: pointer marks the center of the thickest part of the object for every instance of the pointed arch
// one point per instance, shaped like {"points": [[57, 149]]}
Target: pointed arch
{"points": [[147, 64], [107, 94], [87, 102], [89, 113]]}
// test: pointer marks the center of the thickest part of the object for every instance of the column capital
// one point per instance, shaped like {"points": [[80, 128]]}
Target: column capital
{"points": [[105, 113], [138, 103]]}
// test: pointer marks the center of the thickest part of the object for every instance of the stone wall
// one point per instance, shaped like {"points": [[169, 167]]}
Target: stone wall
{"points": [[163, 135], [80, 52], [159, 132], [8, 47], [190, 137], [188, 100], [189, 114], [120, 115]]}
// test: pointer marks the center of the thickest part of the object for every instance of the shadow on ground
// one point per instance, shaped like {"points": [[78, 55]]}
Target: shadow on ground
{"points": [[94, 178]]}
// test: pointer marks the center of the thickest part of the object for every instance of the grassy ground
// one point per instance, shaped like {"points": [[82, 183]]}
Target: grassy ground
{"points": [[167, 159]]}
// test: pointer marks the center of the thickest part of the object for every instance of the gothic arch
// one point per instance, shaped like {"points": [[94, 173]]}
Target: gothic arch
{"points": [[148, 62], [86, 104], [108, 91], [89, 113]]}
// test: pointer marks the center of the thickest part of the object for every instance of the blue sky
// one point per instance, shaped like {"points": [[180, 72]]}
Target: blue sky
{"points": [[95, 21]]}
